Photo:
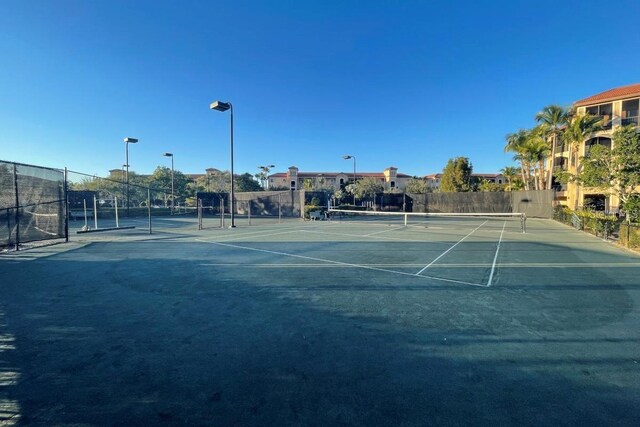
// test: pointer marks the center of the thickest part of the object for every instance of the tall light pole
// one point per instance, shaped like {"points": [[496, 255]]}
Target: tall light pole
{"points": [[128, 141], [265, 174], [172, 195], [347, 157], [224, 106]]}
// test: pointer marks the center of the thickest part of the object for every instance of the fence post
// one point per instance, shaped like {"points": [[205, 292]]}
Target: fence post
{"points": [[17, 215], [222, 205], [95, 212], [8, 227], [66, 207], [149, 207]]}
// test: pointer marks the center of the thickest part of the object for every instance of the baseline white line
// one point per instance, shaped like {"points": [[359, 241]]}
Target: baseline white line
{"points": [[495, 258], [445, 252], [346, 264]]}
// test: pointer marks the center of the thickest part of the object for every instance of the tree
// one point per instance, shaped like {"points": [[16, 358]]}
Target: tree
{"points": [[579, 128], [536, 150], [487, 185], [511, 173], [554, 118], [416, 186], [515, 144], [161, 180], [245, 182], [307, 184], [216, 182], [456, 176], [368, 187], [616, 170]]}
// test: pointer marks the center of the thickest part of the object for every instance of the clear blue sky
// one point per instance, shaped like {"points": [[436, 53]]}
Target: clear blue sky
{"points": [[396, 83]]}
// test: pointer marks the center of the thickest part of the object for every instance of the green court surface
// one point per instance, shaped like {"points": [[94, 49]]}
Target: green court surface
{"points": [[342, 322]]}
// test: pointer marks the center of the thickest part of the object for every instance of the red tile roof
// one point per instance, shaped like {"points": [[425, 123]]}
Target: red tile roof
{"points": [[611, 95]]}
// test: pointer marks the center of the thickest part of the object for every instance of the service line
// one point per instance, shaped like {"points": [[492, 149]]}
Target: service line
{"points": [[445, 252], [344, 264]]}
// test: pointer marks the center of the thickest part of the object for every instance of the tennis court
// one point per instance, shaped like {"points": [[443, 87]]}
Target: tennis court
{"points": [[353, 321]]}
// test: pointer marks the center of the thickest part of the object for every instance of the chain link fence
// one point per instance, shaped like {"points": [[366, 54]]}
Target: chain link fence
{"points": [[32, 205]]}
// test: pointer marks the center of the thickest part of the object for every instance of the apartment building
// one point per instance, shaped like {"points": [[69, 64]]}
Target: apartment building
{"points": [[617, 107], [293, 179]]}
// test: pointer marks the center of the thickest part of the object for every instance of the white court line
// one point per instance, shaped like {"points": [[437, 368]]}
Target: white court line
{"points": [[364, 235], [254, 234], [445, 252], [495, 258], [345, 264], [408, 265], [380, 232]]}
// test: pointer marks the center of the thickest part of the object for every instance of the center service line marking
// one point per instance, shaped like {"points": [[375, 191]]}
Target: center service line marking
{"points": [[346, 264], [495, 258], [445, 252]]}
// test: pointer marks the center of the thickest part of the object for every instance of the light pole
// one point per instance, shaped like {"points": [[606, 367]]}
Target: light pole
{"points": [[224, 106], [347, 157], [128, 141], [265, 174], [172, 194]]}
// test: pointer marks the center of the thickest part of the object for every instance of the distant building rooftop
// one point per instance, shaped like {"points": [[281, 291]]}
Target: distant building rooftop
{"points": [[630, 91]]}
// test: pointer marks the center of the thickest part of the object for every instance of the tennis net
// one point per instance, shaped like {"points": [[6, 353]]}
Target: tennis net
{"points": [[507, 220]]}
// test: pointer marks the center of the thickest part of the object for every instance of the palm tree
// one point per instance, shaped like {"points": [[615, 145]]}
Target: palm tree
{"points": [[509, 172], [554, 118], [579, 128], [537, 150], [515, 143]]}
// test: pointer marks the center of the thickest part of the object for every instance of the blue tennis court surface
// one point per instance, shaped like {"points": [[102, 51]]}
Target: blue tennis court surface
{"points": [[341, 322]]}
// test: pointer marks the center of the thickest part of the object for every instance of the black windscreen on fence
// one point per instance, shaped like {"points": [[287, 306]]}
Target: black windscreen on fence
{"points": [[32, 204]]}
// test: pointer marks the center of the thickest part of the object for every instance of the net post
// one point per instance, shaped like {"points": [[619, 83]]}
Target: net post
{"points": [[199, 204], [279, 209], [405, 219], [249, 210], [86, 220], [523, 221], [115, 201], [149, 207]]}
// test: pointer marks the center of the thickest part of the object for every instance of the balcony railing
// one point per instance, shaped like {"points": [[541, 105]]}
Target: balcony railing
{"points": [[606, 121], [630, 121]]}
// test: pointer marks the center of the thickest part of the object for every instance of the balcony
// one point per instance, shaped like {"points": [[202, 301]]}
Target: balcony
{"points": [[630, 121], [606, 122]]}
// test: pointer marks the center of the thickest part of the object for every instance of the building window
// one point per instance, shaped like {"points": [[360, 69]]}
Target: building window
{"points": [[293, 185], [596, 141], [393, 184], [630, 112], [605, 111]]}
